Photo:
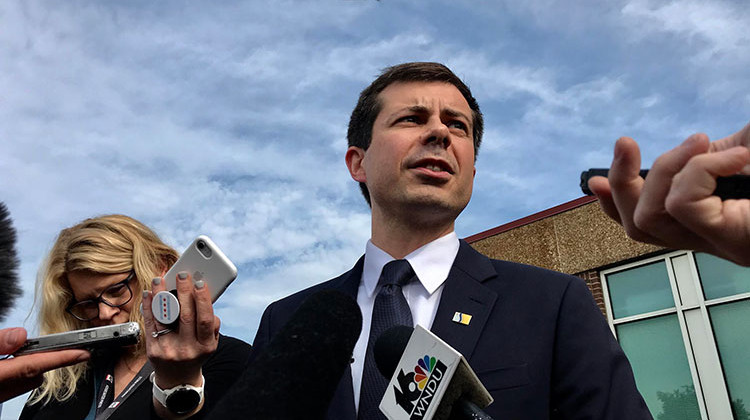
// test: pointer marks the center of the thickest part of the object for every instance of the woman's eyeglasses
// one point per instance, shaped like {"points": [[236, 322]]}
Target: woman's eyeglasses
{"points": [[115, 296]]}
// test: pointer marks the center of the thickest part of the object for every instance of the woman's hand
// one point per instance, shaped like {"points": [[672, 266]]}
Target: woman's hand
{"points": [[177, 356]]}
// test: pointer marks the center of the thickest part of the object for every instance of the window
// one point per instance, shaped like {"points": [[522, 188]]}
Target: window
{"points": [[683, 319]]}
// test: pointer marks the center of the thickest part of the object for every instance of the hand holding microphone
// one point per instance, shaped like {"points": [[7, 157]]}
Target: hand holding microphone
{"points": [[679, 205], [24, 373]]}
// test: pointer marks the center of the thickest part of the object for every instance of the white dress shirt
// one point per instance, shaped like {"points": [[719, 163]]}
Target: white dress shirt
{"points": [[431, 262]]}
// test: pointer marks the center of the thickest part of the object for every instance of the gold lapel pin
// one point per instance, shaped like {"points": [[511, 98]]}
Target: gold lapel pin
{"points": [[462, 318]]}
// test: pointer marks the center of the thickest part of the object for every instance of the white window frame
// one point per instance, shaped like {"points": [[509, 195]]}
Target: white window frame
{"points": [[698, 337]]}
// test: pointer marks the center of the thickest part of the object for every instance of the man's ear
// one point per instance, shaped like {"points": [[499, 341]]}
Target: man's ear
{"points": [[355, 157]]}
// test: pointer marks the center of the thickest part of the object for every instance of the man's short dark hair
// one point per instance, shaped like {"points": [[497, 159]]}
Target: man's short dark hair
{"points": [[369, 105]]}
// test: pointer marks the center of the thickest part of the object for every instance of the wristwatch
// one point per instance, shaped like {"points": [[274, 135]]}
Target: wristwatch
{"points": [[181, 399]]}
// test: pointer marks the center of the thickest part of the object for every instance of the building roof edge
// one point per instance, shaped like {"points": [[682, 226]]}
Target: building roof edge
{"points": [[531, 218]]}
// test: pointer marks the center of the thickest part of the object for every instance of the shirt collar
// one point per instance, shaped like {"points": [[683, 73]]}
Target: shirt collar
{"points": [[431, 262]]}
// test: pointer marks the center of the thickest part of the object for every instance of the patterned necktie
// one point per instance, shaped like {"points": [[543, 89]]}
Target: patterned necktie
{"points": [[390, 309]]}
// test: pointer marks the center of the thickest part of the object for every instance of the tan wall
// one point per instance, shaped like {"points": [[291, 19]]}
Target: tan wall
{"points": [[572, 242]]}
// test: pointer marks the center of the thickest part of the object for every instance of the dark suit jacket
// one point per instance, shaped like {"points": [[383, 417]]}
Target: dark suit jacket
{"points": [[537, 341]]}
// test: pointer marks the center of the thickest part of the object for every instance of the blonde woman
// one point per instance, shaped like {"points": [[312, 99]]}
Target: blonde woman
{"points": [[100, 272]]}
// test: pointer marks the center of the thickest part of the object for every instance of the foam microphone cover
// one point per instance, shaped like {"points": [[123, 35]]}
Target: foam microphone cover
{"points": [[296, 375], [389, 348], [9, 289]]}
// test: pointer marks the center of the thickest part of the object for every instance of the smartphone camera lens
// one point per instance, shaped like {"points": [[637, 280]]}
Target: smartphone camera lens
{"points": [[204, 249]]}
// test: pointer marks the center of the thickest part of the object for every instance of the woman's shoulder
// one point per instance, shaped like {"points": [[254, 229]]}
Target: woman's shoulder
{"points": [[228, 343], [76, 406], [231, 354]]}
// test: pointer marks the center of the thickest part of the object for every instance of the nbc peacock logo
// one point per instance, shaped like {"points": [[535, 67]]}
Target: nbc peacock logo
{"points": [[415, 390], [422, 371]]}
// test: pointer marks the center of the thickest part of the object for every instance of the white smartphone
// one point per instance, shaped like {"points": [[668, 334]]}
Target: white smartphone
{"points": [[204, 261], [87, 338]]}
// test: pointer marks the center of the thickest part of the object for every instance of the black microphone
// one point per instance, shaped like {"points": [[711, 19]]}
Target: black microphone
{"points": [[9, 289], [460, 399], [296, 375]]}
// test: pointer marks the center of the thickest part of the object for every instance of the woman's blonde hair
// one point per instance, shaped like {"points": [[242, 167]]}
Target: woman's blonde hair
{"points": [[107, 245]]}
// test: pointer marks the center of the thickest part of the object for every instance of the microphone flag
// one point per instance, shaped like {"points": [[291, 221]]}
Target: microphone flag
{"points": [[422, 377]]}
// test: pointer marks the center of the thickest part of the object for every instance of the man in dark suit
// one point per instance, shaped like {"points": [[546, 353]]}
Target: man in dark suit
{"points": [[535, 337]]}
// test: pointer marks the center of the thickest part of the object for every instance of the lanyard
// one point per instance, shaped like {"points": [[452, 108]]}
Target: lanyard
{"points": [[105, 403]]}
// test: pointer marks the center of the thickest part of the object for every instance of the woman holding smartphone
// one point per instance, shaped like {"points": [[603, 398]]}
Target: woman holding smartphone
{"points": [[102, 272]]}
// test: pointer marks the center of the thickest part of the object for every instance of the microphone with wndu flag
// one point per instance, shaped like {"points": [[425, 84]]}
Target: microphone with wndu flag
{"points": [[429, 379]]}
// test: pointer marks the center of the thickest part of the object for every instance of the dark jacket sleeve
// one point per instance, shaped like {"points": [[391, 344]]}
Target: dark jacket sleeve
{"points": [[222, 369], [263, 336], [591, 376]]}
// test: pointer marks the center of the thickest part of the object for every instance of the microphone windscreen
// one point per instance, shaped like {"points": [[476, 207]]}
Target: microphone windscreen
{"points": [[296, 375], [389, 348], [9, 289]]}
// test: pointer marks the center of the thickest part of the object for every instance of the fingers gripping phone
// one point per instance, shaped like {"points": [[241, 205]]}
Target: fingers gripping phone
{"points": [[87, 338], [204, 261]]}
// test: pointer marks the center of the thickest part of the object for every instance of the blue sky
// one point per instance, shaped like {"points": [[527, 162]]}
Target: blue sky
{"points": [[230, 119]]}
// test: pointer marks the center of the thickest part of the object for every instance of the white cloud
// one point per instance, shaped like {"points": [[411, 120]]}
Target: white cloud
{"points": [[721, 24], [713, 35]]}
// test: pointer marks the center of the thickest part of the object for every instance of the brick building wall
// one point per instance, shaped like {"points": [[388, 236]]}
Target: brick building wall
{"points": [[595, 286], [575, 238]]}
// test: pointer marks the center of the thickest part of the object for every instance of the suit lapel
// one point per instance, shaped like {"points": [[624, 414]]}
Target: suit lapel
{"points": [[342, 404], [349, 282], [464, 292]]}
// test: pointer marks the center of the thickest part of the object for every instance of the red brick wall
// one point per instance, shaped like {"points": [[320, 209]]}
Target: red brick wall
{"points": [[595, 285]]}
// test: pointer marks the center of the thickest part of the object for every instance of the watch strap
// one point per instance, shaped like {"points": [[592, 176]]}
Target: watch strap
{"points": [[161, 395]]}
